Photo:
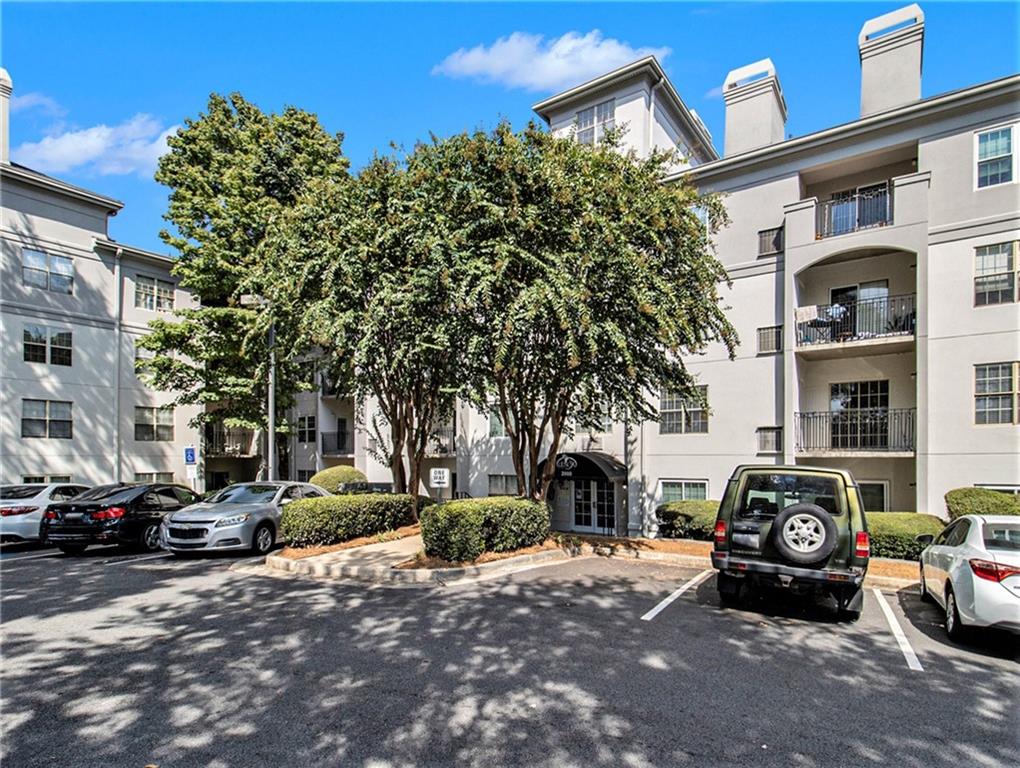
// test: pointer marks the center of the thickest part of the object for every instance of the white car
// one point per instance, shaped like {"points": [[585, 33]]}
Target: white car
{"points": [[972, 570], [22, 507]]}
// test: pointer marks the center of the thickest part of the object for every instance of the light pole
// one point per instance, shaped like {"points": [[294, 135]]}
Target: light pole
{"points": [[254, 300]]}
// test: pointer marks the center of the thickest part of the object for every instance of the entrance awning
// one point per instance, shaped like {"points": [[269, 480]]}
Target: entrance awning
{"points": [[590, 465]]}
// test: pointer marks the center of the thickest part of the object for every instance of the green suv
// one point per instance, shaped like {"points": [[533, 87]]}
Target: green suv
{"points": [[797, 528]]}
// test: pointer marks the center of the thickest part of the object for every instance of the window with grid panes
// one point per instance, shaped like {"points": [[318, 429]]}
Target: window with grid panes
{"points": [[996, 393], [995, 274]]}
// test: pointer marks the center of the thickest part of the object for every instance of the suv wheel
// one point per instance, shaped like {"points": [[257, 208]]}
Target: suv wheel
{"points": [[804, 534]]}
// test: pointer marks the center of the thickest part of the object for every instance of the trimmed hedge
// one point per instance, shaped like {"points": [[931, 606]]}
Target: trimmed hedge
{"points": [[334, 519], [980, 501], [892, 533], [332, 478], [687, 519], [460, 531]]}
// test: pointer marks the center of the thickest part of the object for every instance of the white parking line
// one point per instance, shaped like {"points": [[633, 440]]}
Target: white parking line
{"points": [[34, 556], [128, 561], [897, 630], [692, 583]]}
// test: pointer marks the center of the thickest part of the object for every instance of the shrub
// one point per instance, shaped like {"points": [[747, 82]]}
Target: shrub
{"points": [[687, 519], [333, 519], [892, 533], [332, 478], [980, 501], [460, 531]]}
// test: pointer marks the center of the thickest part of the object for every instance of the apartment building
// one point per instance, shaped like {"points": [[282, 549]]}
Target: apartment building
{"points": [[73, 302]]}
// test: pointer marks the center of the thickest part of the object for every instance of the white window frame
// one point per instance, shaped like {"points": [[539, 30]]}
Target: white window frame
{"points": [[155, 476], [885, 492], [1013, 394], [683, 410], [1013, 273], [494, 418], [47, 419], [49, 332], [157, 284], [47, 479], [684, 482], [509, 483], [306, 429], [974, 164], [1000, 487], [598, 126], [51, 258], [155, 424]]}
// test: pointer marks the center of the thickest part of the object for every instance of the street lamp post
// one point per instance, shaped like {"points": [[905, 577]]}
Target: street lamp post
{"points": [[254, 300]]}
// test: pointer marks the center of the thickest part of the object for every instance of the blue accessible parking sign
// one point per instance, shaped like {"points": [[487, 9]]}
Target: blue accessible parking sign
{"points": [[189, 456]]}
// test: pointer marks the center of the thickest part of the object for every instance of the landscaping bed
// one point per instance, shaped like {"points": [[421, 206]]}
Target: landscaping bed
{"points": [[299, 553]]}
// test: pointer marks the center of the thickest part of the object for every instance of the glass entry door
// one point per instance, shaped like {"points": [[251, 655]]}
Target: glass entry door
{"points": [[860, 415], [594, 506]]}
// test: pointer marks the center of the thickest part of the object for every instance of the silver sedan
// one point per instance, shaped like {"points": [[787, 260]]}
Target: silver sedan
{"points": [[242, 516]]}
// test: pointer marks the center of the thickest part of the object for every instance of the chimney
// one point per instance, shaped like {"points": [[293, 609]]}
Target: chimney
{"points": [[6, 88], [891, 49], [755, 108]]}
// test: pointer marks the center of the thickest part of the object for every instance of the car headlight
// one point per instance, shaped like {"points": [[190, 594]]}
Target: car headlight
{"points": [[232, 520]]}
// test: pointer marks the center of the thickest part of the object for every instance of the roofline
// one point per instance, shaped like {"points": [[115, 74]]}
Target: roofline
{"points": [[51, 184], [648, 64], [138, 253], [890, 117]]}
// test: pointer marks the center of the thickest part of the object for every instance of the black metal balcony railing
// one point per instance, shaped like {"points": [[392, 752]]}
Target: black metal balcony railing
{"points": [[228, 441], [864, 429], [441, 443], [337, 443], [867, 208], [858, 320]]}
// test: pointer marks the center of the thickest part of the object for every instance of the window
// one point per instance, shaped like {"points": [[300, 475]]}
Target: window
{"points": [[154, 424], [592, 123], [770, 340], [770, 241], [770, 439], [46, 418], [684, 490], [51, 479], [142, 358], [678, 415], [305, 475], [995, 274], [154, 477], [502, 485], [875, 495], [1012, 490], [42, 344], [995, 157], [153, 294], [496, 428], [306, 373], [44, 270], [306, 429], [995, 393]]}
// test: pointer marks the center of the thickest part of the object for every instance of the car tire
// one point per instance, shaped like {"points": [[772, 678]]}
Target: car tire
{"points": [[954, 626], [729, 589], [925, 594], [72, 549], [804, 534], [263, 539], [148, 539]]}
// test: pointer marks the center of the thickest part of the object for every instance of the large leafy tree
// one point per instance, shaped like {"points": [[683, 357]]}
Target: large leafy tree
{"points": [[232, 173]]}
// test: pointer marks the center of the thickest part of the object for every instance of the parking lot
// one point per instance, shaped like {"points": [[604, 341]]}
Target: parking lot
{"points": [[133, 660]]}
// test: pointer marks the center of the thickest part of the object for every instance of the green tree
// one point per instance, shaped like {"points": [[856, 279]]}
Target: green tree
{"points": [[232, 172]]}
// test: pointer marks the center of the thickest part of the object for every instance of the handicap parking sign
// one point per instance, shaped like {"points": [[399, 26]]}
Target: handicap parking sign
{"points": [[189, 456]]}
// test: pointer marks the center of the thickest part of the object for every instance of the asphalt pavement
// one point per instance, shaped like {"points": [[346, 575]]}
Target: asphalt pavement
{"points": [[114, 659]]}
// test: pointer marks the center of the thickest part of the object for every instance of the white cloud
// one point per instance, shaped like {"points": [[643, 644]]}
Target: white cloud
{"points": [[133, 146], [38, 101], [529, 61], [714, 93]]}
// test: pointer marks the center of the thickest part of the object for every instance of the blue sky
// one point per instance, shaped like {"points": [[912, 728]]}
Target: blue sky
{"points": [[97, 86]]}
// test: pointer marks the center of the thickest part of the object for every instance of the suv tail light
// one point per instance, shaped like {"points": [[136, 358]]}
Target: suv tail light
{"points": [[50, 514], [109, 514], [862, 545], [986, 569], [12, 511], [720, 531]]}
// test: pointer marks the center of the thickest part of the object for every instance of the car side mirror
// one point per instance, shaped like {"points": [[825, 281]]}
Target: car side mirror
{"points": [[924, 538]]}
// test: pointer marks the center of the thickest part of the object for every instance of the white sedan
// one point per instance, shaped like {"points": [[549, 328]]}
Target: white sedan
{"points": [[972, 570], [22, 507]]}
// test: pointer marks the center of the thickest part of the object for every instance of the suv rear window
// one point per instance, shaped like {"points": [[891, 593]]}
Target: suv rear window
{"points": [[766, 495]]}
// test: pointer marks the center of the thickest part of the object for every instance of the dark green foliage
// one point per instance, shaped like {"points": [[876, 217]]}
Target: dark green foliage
{"points": [[460, 531], [687, 519], [334, 519], [332, 478], [980, 501], [892, 533]]}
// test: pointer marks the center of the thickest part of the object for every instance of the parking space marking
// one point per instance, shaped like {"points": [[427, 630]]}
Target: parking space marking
{"points": [[666, 601], [897, 630], [128, 561], [33, 556]]}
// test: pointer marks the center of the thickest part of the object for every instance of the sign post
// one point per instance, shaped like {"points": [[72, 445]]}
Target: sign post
{"points": [[439, 477], [191, 465]]}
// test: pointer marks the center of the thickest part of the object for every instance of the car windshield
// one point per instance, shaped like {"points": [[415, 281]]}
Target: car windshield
{"points": [[245, 494], [113, 494], [1002, 536], [766, 495], [20, 491]]}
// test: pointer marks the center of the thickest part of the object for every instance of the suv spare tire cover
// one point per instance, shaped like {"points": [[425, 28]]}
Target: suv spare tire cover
{"points": [[804, 534]]}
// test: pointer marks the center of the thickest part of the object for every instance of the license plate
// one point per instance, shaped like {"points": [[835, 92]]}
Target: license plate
{"points": [[72, 517]]}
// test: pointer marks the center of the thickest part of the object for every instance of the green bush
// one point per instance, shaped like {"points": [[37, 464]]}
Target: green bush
{"points": [[332, 478], [892, 533], [687, 519], [333, 519], [460, 531], [980, 501]]}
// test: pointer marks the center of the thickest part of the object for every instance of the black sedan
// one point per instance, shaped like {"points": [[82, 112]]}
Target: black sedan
{"points": [[113, 514]]}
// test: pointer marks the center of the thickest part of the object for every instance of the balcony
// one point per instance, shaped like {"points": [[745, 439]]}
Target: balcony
{"points": [[867, 208], [330, 387], [441, 443], [223, 441], [337, 443], [834, 330], [857, 432]]}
